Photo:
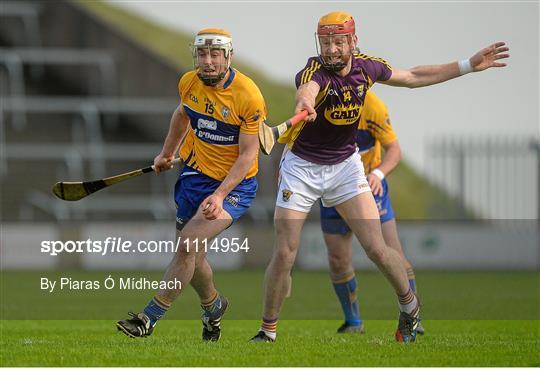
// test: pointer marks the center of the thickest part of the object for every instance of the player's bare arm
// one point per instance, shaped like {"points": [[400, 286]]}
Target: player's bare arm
{"points": [[391, 158], [177, 130], [305, 99], [426, 75], [248, 148]]}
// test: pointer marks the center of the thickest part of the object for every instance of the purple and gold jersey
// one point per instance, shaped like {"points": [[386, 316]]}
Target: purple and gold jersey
{"points": [[217, 118], [374, 130], [331, 138]]}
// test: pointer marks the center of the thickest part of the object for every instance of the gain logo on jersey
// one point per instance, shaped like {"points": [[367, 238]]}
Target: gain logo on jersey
{"points": [[343, 115]]}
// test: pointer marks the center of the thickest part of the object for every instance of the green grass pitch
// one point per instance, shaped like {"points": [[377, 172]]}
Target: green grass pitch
{"points": [[300, 343], [495, 322]]}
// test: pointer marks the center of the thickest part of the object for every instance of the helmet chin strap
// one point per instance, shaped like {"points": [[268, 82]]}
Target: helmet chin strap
{"points": [[212, 81], [334, 67]]}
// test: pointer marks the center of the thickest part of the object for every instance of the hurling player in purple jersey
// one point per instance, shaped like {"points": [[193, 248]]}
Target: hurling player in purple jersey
{"points": [[322, 160]]}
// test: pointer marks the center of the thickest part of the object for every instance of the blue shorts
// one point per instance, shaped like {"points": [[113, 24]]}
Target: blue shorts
{"points": [[192, 187], [332, 223]]}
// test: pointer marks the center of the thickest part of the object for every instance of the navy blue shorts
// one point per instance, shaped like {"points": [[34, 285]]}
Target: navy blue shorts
{"points": [[332, 223], [192, 187]]}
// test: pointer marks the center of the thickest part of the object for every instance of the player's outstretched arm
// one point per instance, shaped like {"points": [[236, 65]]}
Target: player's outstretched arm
{"points": [[489, 56], [177, 131], [426, 75]]}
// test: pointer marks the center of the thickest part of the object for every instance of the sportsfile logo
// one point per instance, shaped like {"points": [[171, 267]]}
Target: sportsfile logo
{"points": [[118, 245]]}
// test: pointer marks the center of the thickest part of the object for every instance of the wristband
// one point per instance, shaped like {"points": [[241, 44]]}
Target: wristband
{"points": [[378, 173], [465, 66]]}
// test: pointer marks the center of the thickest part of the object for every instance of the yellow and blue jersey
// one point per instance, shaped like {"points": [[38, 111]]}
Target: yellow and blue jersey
{"points": [[217, 117], [374, 130]]}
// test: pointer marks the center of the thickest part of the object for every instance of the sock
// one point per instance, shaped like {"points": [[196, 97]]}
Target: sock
{"points": [[156, 309], [346, 292], [408, 302], [412, 279], [269, 327], [212, 305]]}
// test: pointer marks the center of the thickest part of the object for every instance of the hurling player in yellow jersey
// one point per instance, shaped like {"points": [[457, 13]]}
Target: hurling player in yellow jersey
{"points": [[218, 118], [323, 163], [374, 133]]}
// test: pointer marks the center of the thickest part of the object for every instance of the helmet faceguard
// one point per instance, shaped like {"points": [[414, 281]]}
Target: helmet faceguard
{"points": [[211, 66], [335, 40]]}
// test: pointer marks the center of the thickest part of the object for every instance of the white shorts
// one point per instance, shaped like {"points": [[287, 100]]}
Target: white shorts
{"points": [[302, 183]]}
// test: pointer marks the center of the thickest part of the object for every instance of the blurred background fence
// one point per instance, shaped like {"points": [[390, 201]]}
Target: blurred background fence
{"points": [[497, 177]]}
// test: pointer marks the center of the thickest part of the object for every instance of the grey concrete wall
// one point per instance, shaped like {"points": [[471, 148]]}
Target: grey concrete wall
{"points": [[139, 73]]}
